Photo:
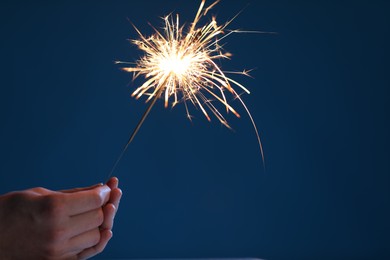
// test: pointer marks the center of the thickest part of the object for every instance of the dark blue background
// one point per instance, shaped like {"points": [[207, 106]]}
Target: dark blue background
{"points": [[320, 97]]}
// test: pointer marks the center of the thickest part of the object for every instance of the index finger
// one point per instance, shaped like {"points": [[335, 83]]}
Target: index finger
{"points": [[81, 189], [86, 200]]}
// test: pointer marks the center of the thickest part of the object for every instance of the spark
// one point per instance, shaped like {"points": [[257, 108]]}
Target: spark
{"points": [[180, 65]]}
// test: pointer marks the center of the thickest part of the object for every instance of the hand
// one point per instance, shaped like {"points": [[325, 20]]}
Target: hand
{"points": [[109, 211], [42, 224]]}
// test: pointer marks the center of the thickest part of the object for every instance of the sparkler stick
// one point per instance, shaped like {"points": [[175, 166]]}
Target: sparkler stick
{"points": [[182, 66], [141, 121]]}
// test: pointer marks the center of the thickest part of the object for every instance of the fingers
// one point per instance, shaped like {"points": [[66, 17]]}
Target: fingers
{"points": [[81, 189], [113, 183], [81, 223], [116, 193], [91, 212], [86, 200], [85, 240], [92, 197], [109, 214], [115, 197], [105, 236], [111, 208]]}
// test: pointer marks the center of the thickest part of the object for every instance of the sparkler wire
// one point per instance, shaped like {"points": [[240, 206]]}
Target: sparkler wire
{"points": [[136, 129]]}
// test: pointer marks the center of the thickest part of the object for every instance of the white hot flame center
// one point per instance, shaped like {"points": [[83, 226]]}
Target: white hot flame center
{"points": [[175, 65]]}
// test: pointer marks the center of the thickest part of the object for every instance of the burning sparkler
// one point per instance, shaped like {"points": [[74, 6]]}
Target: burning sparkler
{"points": [[181, 66]]}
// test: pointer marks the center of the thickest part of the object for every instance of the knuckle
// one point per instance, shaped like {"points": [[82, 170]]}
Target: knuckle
{"points": [[52, 206], [40, 190], [96, 238], [100, 217], [97, 198], [99, 249]]}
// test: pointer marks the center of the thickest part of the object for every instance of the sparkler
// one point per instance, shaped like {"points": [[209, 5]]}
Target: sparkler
{"points": [[181, 66]]}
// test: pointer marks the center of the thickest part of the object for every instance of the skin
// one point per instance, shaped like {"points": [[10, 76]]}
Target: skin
{"points": [[70, 224]]}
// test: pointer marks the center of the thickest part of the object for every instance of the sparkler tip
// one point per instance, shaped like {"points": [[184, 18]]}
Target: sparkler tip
{"points": [[182, 67]]}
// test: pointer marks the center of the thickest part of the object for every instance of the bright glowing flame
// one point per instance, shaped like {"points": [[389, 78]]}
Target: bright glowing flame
{"points": [[181, 65], [175, 65]]}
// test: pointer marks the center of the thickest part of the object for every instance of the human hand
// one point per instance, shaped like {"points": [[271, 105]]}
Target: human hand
{"points": [[109, 211], [42, 224]]}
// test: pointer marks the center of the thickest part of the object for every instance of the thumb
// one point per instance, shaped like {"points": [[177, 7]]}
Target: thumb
{"points": [[81, 189]]}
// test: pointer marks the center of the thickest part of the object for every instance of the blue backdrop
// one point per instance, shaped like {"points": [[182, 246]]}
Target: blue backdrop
{"points": [[320, 97]]}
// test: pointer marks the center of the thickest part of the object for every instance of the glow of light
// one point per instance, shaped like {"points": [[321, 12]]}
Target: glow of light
{"points": [[180, 65]]}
